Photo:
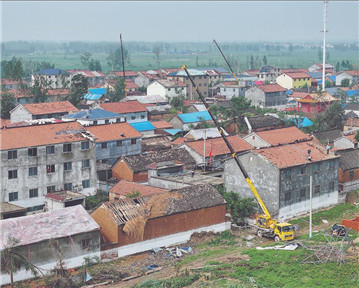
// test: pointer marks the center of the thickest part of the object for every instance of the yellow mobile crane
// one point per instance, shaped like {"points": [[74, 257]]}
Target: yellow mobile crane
{"points": [[265, 225]]}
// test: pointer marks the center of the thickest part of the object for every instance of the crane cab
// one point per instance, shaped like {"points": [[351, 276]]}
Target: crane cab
{"points": [[284, 231]]}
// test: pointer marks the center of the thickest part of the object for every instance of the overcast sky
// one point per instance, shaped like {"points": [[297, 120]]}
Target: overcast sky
{"points": [[178, 21]]}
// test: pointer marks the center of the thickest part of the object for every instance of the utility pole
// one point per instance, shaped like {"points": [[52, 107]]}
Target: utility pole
{"points": [[310, 205], [324, 32], [204, 150], [123, 66]]}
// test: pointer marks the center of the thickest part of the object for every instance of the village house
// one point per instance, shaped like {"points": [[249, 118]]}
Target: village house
{"points": [[39, 159], [318, 67], [115, 140], [34, 111], [167, 88], [294, 80], [148, 99], [156, 142], [160, 112], [95, 116], [131, 111], [214, 151], [199, 78], [263, 123], [314, 103], [10, 84], [271, 95], [134, 168], [187, 121], [346, 141], [349, 170], [352, 108], [9, 210], [21, 96], [131, 226], [125, 189], [268, 74], [326, 137], [144, 127], [93, 77], [351, 124], [206, 133], [196, 107], [160, 126], [95, 96], [276, 137], [129, 74], [351, 75], [63, 199], [68, 233], [231, 89], [281, 174], [52, 78]]}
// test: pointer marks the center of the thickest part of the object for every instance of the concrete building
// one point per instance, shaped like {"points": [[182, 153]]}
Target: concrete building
{"points": [[144, 127], [42, 237], [349, 170], [115, 140], [63, 199], [52, 78], [263, 123], [230, 89], [136, 225], [8, 210], [167, 88], [131, 111], [351, 124], [294, 80], [281, 175], [268, 73], [95, 116], [34, 111], [199, 78], [36, 160], [318, 67], [351, 75], [93, 77], [347, 141], [271, 95]]}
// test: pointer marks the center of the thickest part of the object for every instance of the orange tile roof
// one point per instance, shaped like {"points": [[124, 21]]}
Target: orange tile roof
{"points": [[124, 107], [179, 140], [111, 132], [318, 98], [294, 70], [283, 136], [295, 154], [124, 188], [219, 146], [271, 88], [352, 122], [9, 82], [298, 75], [352, 72], [4, 122], [128, 73], [130, 84], [351, 137], [50, 107], [52, 92], [20, 93], [39, 135], [162, 124]]}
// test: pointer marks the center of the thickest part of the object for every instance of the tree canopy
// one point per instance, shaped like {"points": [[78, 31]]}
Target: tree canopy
{"points": [[13, 69], [119, 92], [79, 88], [7, 103]]}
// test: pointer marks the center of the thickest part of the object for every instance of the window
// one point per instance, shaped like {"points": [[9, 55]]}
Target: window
{"points": [[351, 174], [50, 168], [94, 122], [303, 193], [107, 121], [32, 152], [12, 174], [287, 173], [85, 163], [50, 189], [317, 190], [331, 186], [50, 149], [67, 166], [68, 186], [169, 89], [86, 183], [119, 142], [103, 145], [133, 117], [12, 154], [316, 168], [143, 116], [33, 193], [85, 145], [331, 164], [118, 120], [133, 141], [32, 171], [67, 148], [287, 196], [13, 196], [302, 170], [86, 243]]}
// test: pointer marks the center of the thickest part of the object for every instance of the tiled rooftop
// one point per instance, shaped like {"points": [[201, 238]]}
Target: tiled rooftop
{"points": [[114, 131], [271, 88], [125, 187], [50, 107], [283, 136], [124, 107]]}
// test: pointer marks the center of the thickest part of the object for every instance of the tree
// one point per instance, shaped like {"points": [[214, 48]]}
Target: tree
{"points": [[79, 88], [95, 65], [115, 58], [265, 60], [251, 62], [13, 69], [356, 137], [119, 91], [7, 103], [85, 58], [38, 93], [332, 117], [178, 102], [12, 261], [157, 49], [345, 83]]}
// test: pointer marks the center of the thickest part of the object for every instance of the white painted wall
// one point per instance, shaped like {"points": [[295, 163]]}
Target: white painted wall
{"points": [[156, 88], [255, 140], [285, 81], [343, 143], [19, 113]]}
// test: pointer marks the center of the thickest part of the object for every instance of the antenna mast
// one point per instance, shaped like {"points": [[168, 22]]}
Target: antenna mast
{"points": [[324, 32]]}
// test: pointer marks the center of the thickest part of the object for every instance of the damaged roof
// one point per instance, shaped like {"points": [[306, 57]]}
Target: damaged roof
{"points": [[283, 136], [48, 225], [139, 162], [295, 154], [327, 135], [125, 187], [176, 201], [50, 107], [264, 121], [349, 159]]}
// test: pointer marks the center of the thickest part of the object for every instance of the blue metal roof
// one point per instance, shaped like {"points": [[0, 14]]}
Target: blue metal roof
{"points": [[92, 114], [289, 92], [98, 91], [142, 126], [332, 77], [172, 131], [315, 75], [301, 122], [192, 72], [195, 117], [93, 97], [52, 72], [352, 93], [332, 90]]}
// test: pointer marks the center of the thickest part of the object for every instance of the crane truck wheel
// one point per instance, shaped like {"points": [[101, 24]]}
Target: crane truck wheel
{"points": [[276, 238], [259, 233]]}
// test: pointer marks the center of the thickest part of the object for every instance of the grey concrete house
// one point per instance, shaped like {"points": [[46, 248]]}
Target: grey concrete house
{"points": [[281, 176], [42, 236], [272, 95], [268, 73], [130, 111], [115, 140], [39, 159], [349, 170]]}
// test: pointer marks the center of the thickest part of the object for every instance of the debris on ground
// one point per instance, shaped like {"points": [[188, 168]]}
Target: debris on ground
{"points": [[249, 238], [289, 247]]}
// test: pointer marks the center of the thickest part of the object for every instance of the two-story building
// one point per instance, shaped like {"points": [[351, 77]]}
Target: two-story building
{"points": [[167, 88], [187, 121], [268, 73], [231, 89], [115, 140], [294, 80], [39, 159], [96, 116], [52, 78], [131, 111], [271, 95]]}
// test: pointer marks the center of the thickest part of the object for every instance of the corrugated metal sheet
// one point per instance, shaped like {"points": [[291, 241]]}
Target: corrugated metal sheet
{"points": [[92, 114], [143, 126], [98, 91], [173, 131], [195, 117], [93, 97]]}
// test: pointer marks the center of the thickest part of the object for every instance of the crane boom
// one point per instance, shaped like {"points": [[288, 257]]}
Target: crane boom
{"points": [[225, 59], [233, 153]]}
